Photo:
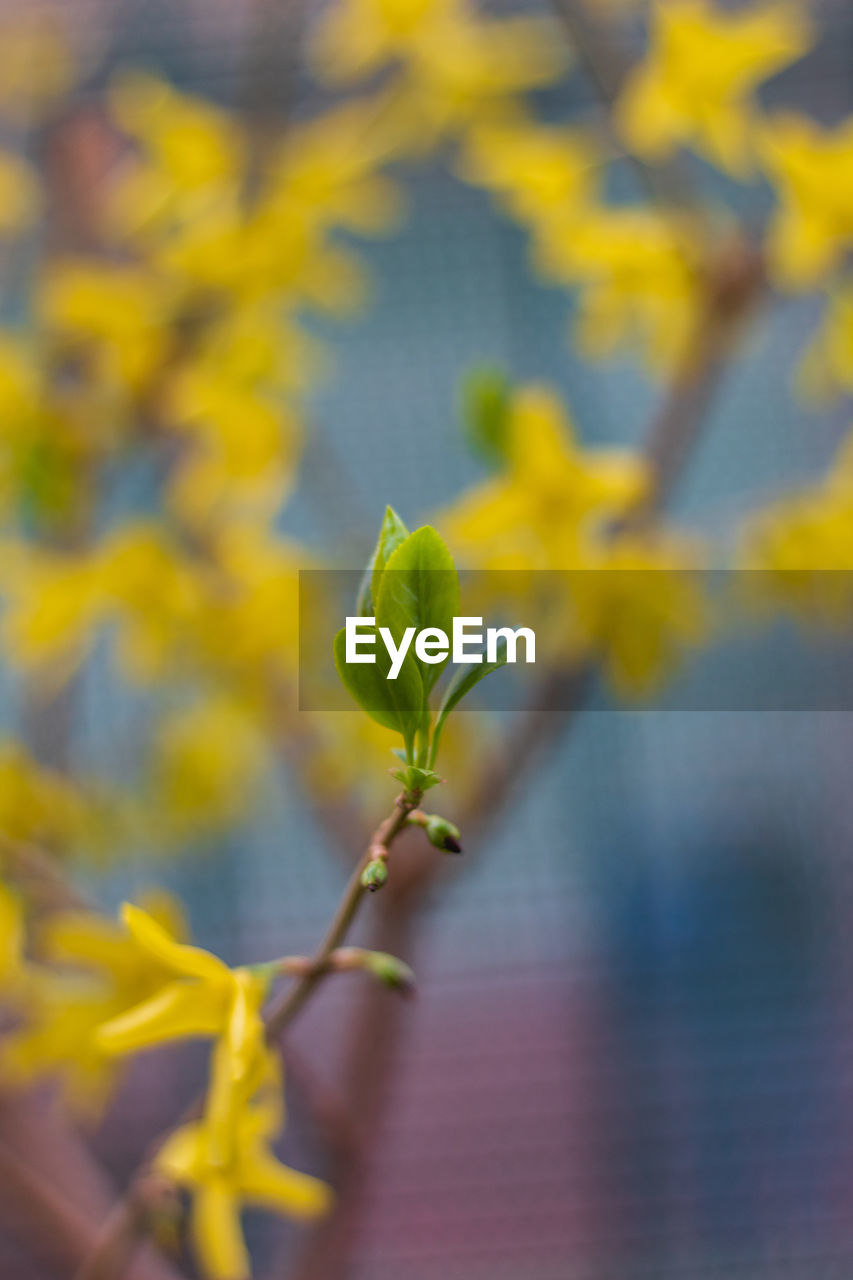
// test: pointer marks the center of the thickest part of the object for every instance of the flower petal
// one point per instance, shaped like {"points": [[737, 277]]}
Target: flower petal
{"points": [[192, 962], [180, 1155], [217, 1231], [269, 1184], [178, 1010]]}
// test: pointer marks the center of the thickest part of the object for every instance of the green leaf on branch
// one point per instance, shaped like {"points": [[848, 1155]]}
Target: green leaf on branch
{"points": [[485, 403], [420, 589], [460, 686], [392, 533], [416, 779], [396, 704]]}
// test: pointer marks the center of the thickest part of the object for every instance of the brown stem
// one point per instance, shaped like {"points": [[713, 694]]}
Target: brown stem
{"points": [[52, 1196], [285, 1009], [667, 184], [37, 873]]}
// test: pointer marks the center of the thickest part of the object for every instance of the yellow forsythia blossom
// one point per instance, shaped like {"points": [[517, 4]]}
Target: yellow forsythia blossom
{"points": [[538, 173], [811, 169], [639, 608], [226, 1161], [534, 515], [454, 64], [193, 146], [203, 997], [827, 366], [695, 84], [801, 548], [208, 763], [12, 935], [117, 316], [326, 169], [89, 971], [638, 282], [154, 595], [52, 606], [36, 803]]}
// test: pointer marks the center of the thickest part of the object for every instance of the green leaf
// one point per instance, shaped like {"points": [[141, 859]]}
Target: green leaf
{"points": [[420, 588], [460, 686], [485, 403], [396, 704], [392, 533], [415, 779]]}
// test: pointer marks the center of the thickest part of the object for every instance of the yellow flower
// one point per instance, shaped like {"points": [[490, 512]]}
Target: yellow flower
{"points": [[242, 447], [465, 68], [12, 936], [539, 173], [229, 1162], [53, 605], [812, 171], [357, 37], [826, 369], [327, 169], [638, 607], [702, 66], [209, 762], [203, 998], [535, 515], [154, 595], [253, 630], [801, 547], [89, 971], [637, 279], [36, 803], [454, 63], [191, 143], [118, 316]]}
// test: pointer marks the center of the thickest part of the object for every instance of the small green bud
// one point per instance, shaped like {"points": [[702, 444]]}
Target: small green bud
{"points": [[443, 834], [374, 875], [393, 972]]}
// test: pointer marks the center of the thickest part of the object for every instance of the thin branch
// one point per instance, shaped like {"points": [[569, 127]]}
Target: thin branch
{"points": [[38, 874], [668, 184]]}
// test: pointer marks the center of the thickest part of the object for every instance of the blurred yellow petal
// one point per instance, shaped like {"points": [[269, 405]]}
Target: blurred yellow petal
{"points": [[217, 1231], [179, 1156], [179, 1010], [12, 934], [265, 1182], [701, 67], [189, 961]]}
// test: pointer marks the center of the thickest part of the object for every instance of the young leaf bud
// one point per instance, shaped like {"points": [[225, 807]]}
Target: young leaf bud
{"points": [[374, 875], [443, 834], [393, 972]]}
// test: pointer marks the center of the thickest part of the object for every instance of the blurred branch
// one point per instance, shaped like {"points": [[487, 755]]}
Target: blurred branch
{"points": [[669, 184], [271, 80], [38, 874], [52, 1195]]}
